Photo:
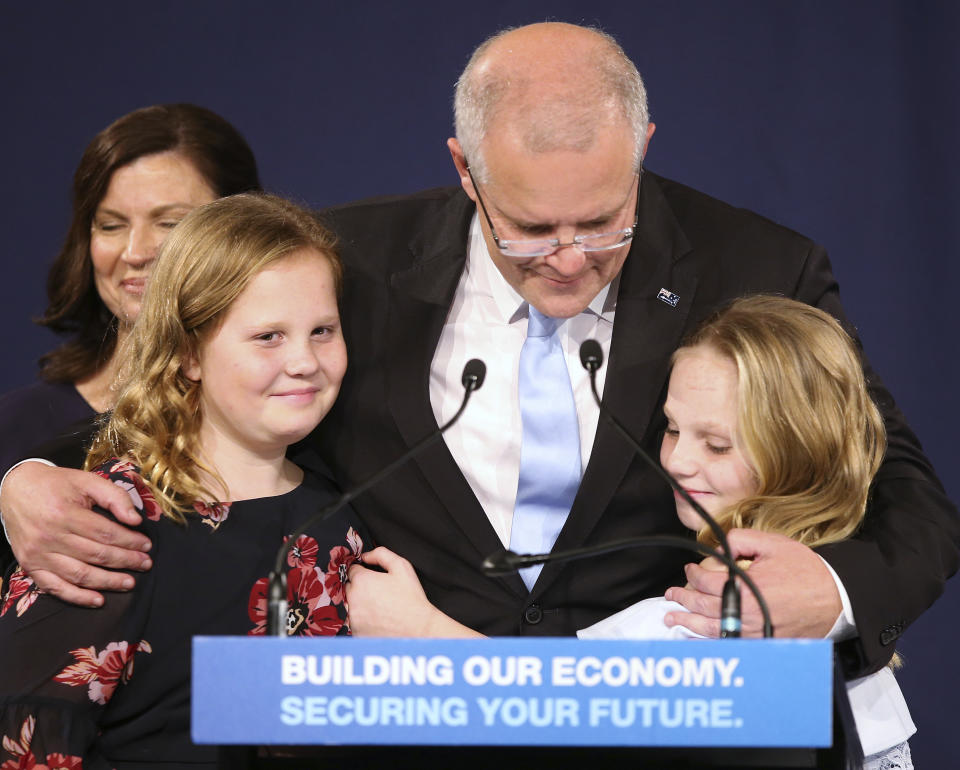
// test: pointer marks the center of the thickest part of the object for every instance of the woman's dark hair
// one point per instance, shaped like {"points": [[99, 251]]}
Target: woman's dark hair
{"points": [[218, 152]]}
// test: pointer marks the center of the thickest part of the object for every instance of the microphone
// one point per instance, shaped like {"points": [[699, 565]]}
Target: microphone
{"points": [[472, 378], [507, 562], [591, 357]]}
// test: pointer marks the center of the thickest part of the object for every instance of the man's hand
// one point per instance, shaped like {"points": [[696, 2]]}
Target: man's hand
{"points": [[392, 603], [58, 539], [798, 587]]}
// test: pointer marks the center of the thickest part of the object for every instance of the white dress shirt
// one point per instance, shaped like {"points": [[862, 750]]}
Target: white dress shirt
{"points": [[488, 320]]}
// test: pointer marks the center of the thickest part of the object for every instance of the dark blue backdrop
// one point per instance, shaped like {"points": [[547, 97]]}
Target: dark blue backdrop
{"points": [[838, 119]]}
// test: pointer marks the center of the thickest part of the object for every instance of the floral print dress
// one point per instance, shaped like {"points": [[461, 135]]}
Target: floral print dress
{"points": [[110, 687]]}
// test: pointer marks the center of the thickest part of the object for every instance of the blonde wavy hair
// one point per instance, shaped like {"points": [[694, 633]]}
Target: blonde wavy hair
{"points": [[203, 266], [806, 424]]}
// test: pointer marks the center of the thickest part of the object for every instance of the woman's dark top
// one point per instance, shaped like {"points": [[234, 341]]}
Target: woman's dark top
{"points": [[110, 687], [37, 413], [30, 416]]}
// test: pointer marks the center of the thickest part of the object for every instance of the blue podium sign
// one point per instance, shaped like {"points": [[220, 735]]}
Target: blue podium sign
{"points": [[512, 691]]}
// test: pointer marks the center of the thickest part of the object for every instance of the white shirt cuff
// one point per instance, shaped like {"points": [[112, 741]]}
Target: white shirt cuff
{"points": [[844, 627], [3, 481]]}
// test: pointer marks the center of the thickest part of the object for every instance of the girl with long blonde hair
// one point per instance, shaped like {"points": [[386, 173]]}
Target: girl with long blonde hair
{"points": [[236, 354], [770, 426]]}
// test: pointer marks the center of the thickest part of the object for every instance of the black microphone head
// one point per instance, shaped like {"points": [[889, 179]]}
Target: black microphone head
{"points": [[591, 355], [473, 374], [500, 563]]}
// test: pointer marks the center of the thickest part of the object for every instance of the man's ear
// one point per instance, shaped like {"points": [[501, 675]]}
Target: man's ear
{"points": [[646, 144], [460, 162]]}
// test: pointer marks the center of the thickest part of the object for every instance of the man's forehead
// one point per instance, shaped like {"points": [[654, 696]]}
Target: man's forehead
{"points": [[560, 186], [532, 213]]}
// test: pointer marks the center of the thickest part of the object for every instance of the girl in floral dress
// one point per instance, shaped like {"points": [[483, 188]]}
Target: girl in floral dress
{"points": [[237, 354]]}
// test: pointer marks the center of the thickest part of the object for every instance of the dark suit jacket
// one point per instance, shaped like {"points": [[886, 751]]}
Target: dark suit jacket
{"points": [[404, 257]]}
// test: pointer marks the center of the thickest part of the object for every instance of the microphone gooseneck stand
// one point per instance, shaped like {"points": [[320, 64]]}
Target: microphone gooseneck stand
{"points": [[472, 379], [591, 357]]}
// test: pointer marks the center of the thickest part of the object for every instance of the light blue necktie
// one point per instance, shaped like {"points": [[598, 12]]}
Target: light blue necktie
{"points": [[550, 449]]}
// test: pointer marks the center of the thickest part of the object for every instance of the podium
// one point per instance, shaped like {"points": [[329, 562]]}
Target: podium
{"points": [[518, 702]]}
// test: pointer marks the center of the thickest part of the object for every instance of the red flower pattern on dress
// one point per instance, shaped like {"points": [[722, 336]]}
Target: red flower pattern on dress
{"points": [[313, 608], [310, 612], [257, 607], [151, 508], [304, 552], [102, 671], [340, 560], [120, 466], [354, 541], [20, 748], [62, 762], [214, 514], [21, 587], [24, 758], [325, 621], [25, 762], [124, 474]]}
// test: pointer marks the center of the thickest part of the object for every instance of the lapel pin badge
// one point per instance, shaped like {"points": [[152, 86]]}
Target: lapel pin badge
{"points": [[669, 297]]}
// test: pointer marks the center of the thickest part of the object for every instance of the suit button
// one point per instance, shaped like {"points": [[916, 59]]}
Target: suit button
{"points": [[533, 614]]}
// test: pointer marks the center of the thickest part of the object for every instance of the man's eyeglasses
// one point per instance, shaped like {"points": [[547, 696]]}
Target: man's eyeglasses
{"points": [[528, 248]]}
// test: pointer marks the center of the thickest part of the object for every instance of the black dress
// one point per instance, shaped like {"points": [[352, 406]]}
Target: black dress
{"points": [[110, 687]]}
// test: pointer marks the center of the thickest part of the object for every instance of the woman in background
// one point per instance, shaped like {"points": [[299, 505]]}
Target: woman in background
{"points": [[136, 180], [237, 353]]}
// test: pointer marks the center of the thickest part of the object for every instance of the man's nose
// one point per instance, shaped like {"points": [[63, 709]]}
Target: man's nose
{"points": [[568, 259]]}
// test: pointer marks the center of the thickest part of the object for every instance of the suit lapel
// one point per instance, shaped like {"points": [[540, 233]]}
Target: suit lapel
{"points": [[420, 299], [646, 331]]}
